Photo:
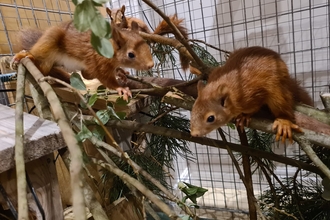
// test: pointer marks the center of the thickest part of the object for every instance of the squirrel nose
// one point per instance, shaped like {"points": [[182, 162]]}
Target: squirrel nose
{"points": [[150, 65], [194, 133]]}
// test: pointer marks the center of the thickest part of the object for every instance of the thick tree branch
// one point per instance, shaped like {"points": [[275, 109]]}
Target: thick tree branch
{"points": [[130, 125], [69, 137], [19, 146]]}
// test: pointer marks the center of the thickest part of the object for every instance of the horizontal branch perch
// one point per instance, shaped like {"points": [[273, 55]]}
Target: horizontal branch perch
{"points": [[130, 125]]}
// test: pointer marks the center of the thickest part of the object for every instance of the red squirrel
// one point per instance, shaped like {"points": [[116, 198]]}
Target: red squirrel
{"points": [[252, 77], [118, 18], [64, 46]]}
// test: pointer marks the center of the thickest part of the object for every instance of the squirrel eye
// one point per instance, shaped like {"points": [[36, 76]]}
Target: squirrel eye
{"points": [[210, 119], [131, 55]]}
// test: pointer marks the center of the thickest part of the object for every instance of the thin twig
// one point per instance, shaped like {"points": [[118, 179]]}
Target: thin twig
{"points": [[137, 168], [144, 190], [248, 189], [70, 139], [141, 80], [177, 34], [278, 210], [19, 146], [113, 142], [210, 45], [306, 147]]}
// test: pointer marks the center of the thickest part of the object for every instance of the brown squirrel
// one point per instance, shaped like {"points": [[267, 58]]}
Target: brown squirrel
{"points": [[251, 78], [64, 46], [118, 18]]}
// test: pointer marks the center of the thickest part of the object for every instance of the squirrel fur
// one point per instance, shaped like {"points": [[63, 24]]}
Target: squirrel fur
{"points": [[63, 48], [118, 18], [251, 78]]}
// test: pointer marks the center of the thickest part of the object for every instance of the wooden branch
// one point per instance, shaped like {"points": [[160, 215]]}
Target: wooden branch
{"points": [[138, 169], [39, 99], [314, 130], [254, 207], [93, 205], [247, 175], [144, 190], [70, 139], [19, 146], [211, 142]]}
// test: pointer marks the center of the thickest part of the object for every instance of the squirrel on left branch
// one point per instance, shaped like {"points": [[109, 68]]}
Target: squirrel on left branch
{"points": [[63, 48]]}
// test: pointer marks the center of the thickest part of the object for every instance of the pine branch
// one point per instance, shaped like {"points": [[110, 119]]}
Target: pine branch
{"points": [[19, 146]]}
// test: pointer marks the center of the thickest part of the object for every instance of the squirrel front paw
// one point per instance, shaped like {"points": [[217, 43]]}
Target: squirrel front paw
{"points": [[242, 120], [124, 92], [284, 128], [17, 58]]}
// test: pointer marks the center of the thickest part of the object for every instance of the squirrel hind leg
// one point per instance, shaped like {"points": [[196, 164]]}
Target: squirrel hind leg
{"points": [[284, 128]]}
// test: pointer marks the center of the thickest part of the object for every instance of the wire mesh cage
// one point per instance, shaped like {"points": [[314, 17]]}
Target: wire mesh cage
{"points": [[297, 30]]}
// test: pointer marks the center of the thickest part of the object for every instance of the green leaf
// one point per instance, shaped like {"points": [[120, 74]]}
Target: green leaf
{"points": [[103, 115], [98, 132], [186, 217], [100, 26], [231, 125], [121, 101], [100, 1], [121, 115], [77, 82], [82, 15], [101, 88], [113, 113], [82, 102], [92, 99], [102, 46], [83, 134]]}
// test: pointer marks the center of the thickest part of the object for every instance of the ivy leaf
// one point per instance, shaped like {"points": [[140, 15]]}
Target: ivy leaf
{"points": [[99, 26], [100, 1], [84, 134], [82, 102], [113, 113], [103, 115], [102, 46], [77, 82], [92, 99], [121, 115], [98, 132], [121, 101], [82, 15]]}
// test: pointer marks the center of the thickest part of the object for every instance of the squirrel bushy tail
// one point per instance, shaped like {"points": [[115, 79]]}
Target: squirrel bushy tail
{"points": [[28, 37], [163, 28]]}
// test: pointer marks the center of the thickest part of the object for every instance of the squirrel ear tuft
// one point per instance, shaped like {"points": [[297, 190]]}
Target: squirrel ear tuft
{"points": [[123, 9], [109, 12], [135, 26]]}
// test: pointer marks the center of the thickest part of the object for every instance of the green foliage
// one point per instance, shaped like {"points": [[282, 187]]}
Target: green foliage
{"points": [[301, 199], [77, 82], [261, 141], [192, 192], [205, 56], [86, 16], [158, 153]]}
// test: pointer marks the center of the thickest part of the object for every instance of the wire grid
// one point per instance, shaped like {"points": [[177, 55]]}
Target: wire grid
{"points": [[298, 30]]}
